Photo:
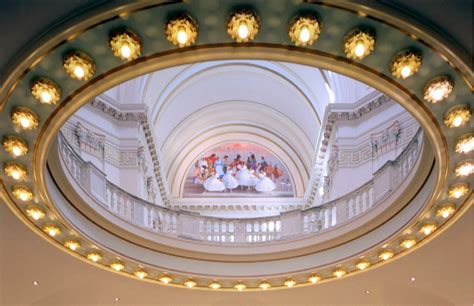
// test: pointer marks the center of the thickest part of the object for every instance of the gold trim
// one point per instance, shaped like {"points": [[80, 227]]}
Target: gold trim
{"points": [[318, 59], [46, 91]]}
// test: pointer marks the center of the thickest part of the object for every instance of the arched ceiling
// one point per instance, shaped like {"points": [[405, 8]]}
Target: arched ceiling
{"points": [[275, 104]]}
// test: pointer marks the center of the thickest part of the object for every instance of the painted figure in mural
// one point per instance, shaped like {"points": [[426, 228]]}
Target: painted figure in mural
{"points": [[213, 184], [262, 165], [229, 181], [224, 170], [198, 179], [264, 184], [277, 173], [243, 176], [226, 163], [219, 167]]}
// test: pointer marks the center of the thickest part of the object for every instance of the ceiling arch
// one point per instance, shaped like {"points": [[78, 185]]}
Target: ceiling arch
{"points": [[187, 130]]}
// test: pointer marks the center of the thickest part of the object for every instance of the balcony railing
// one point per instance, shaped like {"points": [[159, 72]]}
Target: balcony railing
{"points": [[189, 225]]}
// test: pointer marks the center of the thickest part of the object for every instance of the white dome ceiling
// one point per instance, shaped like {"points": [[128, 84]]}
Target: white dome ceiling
{"points": [[276, 105]]}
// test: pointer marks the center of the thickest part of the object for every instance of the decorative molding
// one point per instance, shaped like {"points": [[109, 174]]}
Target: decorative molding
{"points": [[89, 140], [384, 140], [334, 114], [142, 118]]}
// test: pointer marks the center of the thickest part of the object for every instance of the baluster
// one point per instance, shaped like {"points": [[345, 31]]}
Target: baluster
{"points": [[326, 218], [351, 207], [333, 215], [364, 200], [371, 196], [357, 204], [175, 223]]}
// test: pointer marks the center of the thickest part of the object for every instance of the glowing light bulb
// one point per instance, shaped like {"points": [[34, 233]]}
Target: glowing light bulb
{"points": [[465, 169], [190, 283], [305, 34], [72, 245], [362, 265], [458, 194], [359, 50], [428, 228], [117, 266], [36, 215], [465, 144], [46, 97], [24, 196], [165, 279], [16, 151], [182, 37], [289, 283], [25, 122], [264, 285], [79, 72], [125, 51], [438, 94], [243, 30], [457, 121], [314, 279], [16, 174], [406, 71], [214, 285], [408, 243]]}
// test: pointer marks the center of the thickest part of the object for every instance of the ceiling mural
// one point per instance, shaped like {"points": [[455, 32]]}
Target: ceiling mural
{"points": [[238, 169]]}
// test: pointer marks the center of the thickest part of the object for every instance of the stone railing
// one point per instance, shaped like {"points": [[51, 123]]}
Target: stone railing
{"points": [[193, 226]]}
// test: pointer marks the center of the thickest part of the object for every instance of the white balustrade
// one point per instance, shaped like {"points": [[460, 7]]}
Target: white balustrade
{"points": [[193, 226]]}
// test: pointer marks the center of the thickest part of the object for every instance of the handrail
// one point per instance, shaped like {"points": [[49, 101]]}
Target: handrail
{"points": [[190, 225]]}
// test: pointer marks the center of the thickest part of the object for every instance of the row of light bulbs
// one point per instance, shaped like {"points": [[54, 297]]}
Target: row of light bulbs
{"points": [[95, 256], [243, 27]]}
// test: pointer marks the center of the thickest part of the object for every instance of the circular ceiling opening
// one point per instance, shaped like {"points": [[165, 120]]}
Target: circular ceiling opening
{"points": [[112, 189], [181, 159]]}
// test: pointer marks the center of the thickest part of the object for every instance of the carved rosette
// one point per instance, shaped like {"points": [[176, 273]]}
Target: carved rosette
{"points": [[82, 60], [24, 118], [243, 17], [46, 91], [363, 39], [125, 39], [309, 23], [181, 24], [457, 116], [438, 89], [15, 146], [403, 60]]}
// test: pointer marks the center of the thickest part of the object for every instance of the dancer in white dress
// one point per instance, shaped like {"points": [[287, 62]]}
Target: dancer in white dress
{"points": [[229, 181], [265, 184], [243, 177], [213, 184], [253, 179]]}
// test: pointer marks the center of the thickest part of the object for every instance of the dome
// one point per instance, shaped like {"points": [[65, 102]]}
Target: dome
{"points": [[209, 146]]}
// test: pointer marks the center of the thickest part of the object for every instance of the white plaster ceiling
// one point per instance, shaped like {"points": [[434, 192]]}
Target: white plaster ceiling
{"points": [[443, 269], [276, 105]]}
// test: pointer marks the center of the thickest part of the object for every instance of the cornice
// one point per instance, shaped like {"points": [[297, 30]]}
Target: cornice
{"points": [[142, 118], [335, 113]]}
